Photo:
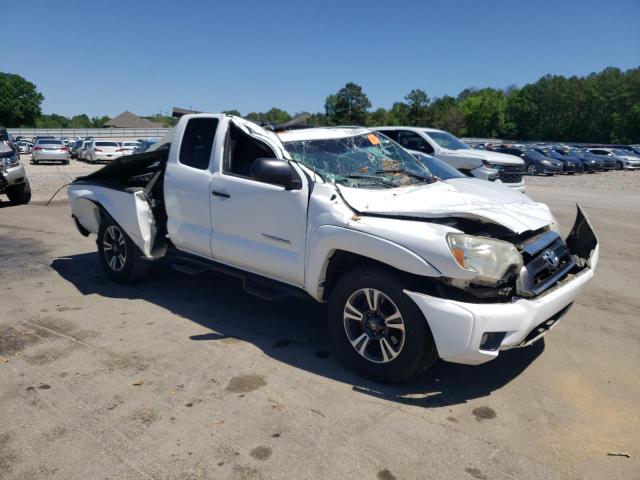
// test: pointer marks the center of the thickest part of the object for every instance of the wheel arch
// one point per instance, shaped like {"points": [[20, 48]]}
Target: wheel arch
{"points": [[336, 250]]}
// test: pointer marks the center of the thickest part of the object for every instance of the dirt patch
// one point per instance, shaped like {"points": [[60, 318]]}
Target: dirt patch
{"points": [[476, 473], [7, 457], [15, 339], [50, 355], [145, 417], [484, 413], [245, 383], [261, 452], [385, 475]]}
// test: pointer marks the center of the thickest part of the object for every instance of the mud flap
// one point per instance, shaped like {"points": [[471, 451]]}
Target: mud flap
{"points": [[582, 241]]}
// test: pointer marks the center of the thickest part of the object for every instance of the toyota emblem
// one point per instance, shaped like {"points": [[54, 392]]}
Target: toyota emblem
{"points": [[551, 258]]}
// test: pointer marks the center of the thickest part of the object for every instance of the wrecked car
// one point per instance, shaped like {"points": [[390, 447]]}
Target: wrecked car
{"points": [[13, 177], [413, 268]]}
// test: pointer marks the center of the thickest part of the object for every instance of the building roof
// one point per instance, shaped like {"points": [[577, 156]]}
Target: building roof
{"points": [[129, 120]]}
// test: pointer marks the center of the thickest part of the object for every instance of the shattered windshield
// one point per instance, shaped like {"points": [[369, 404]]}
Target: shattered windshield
{"points": [[367, 159]]}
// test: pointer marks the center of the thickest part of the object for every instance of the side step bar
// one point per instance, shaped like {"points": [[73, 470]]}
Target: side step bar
{"points": [[253, 284]]}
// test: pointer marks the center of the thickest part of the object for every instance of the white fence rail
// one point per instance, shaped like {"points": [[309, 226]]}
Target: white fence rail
{"points": [[89, 132]]}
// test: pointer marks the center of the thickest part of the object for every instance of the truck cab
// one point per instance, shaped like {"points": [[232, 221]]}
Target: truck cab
{"points": [[483, 164], [413, 268]]}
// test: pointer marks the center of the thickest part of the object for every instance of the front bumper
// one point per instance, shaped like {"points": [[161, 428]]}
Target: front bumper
{"points": [[632, 165], [14, 175], [458, 327]]}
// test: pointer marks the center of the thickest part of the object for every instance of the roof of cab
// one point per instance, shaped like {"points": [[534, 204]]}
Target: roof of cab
{"points": [[321, 133]]}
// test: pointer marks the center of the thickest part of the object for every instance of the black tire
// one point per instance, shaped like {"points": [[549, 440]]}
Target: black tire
{"points": [[20, 194], [133, 267], [619, 166], [65, 162], [416, 353], [532, 169]]}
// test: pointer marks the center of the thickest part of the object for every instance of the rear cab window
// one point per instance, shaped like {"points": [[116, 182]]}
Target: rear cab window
{"points": [[197, 141]]}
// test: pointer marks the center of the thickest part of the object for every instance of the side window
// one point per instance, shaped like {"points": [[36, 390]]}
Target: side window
{"points": [[413, 141], [392, 134], [241, 151], [197, 140]]}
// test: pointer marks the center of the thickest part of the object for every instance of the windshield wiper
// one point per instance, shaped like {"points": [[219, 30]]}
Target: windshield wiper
{"points": [[410, 174], [361, 176]]}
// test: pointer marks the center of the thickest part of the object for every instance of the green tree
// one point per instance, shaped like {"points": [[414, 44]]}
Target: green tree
{"points": [[19, 101], [418, 102], [349, 106]]}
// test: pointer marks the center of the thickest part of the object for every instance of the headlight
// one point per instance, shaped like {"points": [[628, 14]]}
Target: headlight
{"points": [[545, 162], [11, 161], [489, 258]]}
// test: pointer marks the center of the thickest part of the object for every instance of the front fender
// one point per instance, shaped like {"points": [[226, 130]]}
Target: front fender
{"points": [[129, 209], [327, 239]]}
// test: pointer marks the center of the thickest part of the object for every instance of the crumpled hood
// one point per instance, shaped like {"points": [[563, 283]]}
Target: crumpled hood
{"points": [[460, 197]]}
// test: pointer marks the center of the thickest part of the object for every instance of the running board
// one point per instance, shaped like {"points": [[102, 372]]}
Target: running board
{"points": [[253, 284]]}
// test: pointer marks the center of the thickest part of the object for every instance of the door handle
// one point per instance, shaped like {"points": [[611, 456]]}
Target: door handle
{"points": [[220, 194]]}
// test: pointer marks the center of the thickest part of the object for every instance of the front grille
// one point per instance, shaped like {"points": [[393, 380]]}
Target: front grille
{"points": [[544, 267], [511, 174]]}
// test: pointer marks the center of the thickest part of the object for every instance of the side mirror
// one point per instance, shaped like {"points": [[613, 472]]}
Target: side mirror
{"points": [[276, 171]]}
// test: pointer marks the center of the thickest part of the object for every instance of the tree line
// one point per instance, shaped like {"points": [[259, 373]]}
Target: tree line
{"points": [[600, 107]]}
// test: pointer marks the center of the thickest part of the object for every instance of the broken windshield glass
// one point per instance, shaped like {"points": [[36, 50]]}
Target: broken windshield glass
{"points": [[359, 160]]}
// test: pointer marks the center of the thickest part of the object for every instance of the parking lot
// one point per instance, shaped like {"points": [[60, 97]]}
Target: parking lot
{"points": [[187, 377]]}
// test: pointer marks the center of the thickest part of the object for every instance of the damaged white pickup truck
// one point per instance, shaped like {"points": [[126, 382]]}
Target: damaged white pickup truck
{"points": [[413, 267]]}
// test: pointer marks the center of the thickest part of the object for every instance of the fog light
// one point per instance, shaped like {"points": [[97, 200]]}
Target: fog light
{"points": [[491, 340]]}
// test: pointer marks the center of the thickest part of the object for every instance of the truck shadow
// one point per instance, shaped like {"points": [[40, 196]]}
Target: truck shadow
{"points": [[292, 331]]}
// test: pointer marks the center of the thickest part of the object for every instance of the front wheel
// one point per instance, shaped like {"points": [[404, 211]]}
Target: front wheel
{"points": [[121, 259], [532, 169], [619, 166], [20, 194], [377, 329]]}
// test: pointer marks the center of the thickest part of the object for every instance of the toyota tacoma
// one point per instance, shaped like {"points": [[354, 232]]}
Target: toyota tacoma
{"points": [[413, 268]]}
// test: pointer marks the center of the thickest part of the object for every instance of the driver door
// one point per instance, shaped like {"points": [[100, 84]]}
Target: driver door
{"points": [[257, 226]]}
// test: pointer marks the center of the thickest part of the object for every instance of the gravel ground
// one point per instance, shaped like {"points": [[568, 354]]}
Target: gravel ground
{"points": [[187, 377]]}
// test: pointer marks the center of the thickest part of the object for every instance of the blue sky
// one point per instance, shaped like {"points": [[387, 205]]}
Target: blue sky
{"points": [[148, 56]]}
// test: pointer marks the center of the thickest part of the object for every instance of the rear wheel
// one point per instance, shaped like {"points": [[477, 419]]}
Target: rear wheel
{"points": [[121, 259], [377, 329], [20, 194]]}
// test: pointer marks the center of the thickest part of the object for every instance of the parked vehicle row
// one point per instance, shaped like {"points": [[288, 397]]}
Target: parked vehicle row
{"points": [[549, 159]]}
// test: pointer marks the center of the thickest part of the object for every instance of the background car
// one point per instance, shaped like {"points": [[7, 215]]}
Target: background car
{"points": [[73, 148], [534, 162], [623, 158], [591, 162], [81, 151], [608, 162], [50, 150], [128, 147], [102, 151], [24, 147], [569, 165]]}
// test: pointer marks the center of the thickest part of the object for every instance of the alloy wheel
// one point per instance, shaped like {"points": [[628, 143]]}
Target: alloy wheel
{"points": [[114, 248], [374, 325]]}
